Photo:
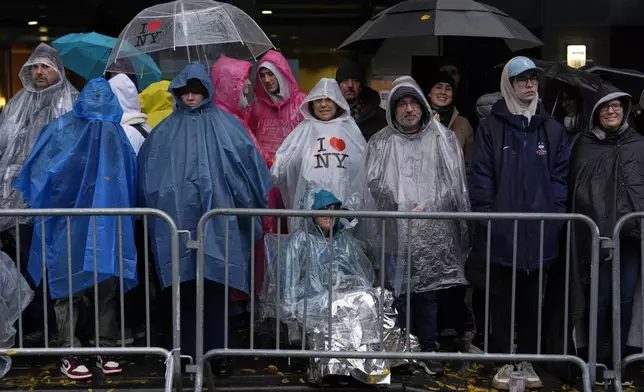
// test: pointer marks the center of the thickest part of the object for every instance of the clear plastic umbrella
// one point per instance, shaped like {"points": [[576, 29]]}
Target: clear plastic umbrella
{"points": [[183, 31]]}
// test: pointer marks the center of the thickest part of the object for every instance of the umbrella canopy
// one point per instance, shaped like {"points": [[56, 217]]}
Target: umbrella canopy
{"points": [[461, 18], [87, 53], [627, 80], [184, 31], [567, 75]]}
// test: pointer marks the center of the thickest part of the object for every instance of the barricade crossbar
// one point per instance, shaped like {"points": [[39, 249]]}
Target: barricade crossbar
{"points": [[587, 369]]}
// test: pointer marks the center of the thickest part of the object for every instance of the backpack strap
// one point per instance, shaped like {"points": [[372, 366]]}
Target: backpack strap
{"points": [[141, 130]]}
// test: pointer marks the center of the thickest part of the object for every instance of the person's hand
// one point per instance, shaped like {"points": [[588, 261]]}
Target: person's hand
{"points": [[437, 116], [418, 208]]}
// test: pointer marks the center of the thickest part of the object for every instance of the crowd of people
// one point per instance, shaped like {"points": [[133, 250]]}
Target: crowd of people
{"points": [[198, 142]]}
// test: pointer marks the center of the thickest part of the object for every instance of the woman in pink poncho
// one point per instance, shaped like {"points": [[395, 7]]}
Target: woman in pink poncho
{"points": [[231, 80]]}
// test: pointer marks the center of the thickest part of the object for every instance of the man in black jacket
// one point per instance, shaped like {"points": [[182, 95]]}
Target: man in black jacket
{"points": [[363, 100]]}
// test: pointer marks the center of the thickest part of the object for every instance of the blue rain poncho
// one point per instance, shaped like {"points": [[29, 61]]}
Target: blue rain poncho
{"points": [[196, 160], [82, 160]]}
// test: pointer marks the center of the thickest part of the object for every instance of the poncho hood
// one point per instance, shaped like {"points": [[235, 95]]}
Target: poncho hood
{"points": [[326, 88], [192, 71], [22, 120], [276, 62], [228, 77]]}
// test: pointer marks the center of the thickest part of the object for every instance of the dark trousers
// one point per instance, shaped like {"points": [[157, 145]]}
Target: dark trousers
{"points": [[423, 320], [629, 273], [526, 310], [453, 311], [214, 325]]}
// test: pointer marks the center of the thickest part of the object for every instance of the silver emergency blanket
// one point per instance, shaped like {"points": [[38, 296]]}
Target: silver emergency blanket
{"points": [[319, 154], [355, 306], [423, 171], [307, 247], [23, 118]]}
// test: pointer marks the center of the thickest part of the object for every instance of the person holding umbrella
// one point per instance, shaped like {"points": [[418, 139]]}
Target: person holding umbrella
{"points": [[519, 164]]}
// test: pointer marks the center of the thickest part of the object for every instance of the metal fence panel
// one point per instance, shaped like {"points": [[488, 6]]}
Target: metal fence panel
{"points": [[620, 363], [173, 375], [587, 369]]}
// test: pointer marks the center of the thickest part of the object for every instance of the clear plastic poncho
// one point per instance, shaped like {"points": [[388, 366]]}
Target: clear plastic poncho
{"points": [[304, 284], [307, 247], [319, 154], [23, 118], [424, 171]]}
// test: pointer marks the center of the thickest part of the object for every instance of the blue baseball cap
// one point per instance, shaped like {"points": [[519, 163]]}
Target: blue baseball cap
{"points": [[520, 64]]}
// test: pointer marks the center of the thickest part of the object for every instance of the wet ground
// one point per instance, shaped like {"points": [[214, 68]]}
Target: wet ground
{"points": [[251, 374], [257, 374]]}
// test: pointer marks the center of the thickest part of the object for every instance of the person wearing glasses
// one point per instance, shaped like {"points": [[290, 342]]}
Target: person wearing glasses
{"points": [[607, 177], [519, 164]]}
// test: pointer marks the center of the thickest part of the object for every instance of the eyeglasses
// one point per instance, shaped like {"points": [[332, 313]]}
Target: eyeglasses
{"points": [[617, 107], [523, 80], [414, 104]]}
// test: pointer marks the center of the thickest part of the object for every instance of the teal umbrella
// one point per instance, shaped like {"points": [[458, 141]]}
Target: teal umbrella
{"points": [[87, 53]]}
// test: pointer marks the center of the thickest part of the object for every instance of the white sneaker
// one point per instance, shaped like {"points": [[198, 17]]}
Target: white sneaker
{"points": [[532, 378], [501, 380]]}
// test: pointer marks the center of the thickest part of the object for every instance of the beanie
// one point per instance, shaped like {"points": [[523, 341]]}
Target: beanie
{"points": [[349, 70]]}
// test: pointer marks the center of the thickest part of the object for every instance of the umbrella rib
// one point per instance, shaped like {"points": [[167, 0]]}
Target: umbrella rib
{"points": [[234, 27]]}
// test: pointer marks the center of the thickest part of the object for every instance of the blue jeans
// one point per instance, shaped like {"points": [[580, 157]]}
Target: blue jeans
{"points": [[423, 318], [629, 273]]}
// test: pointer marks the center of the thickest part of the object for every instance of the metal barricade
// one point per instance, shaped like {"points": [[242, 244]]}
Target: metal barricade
{"points": [[587, 369], [620, 363], [172, 363]]}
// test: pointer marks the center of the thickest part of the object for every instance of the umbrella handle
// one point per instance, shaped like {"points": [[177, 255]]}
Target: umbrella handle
{"points": [[555, 105]]}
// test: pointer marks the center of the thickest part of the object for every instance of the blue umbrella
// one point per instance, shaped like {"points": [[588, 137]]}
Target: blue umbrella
{"points": [[87, 53]]}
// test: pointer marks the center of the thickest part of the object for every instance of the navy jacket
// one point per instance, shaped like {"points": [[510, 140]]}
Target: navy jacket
{"points": [[517, 167]]}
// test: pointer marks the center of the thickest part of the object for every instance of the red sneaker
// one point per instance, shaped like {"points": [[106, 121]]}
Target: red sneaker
{"points": [[74, 368], [108, 366]]}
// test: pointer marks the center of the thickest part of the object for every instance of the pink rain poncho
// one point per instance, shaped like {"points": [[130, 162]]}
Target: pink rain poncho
{"points": [[228, 77], [271, 121]]}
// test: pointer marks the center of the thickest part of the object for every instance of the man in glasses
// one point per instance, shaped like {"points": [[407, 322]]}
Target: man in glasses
{"points": [[519, 164], [607, 173]]}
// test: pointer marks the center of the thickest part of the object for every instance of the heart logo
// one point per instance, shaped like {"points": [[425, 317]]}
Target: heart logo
{"points": [[154, 25], [338, 144]]}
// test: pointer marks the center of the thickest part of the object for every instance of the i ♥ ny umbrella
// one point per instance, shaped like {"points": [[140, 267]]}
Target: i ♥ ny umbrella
{"points": [[457, 18], [183, 31]]}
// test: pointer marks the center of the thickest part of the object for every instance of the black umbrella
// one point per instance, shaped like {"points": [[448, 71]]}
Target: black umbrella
{"points": [[567, 75], [627, 80], [458, 18]]}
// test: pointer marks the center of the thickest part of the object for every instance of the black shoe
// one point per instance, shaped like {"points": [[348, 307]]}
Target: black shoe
{"points": [[432, 367], [221, 368]]}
